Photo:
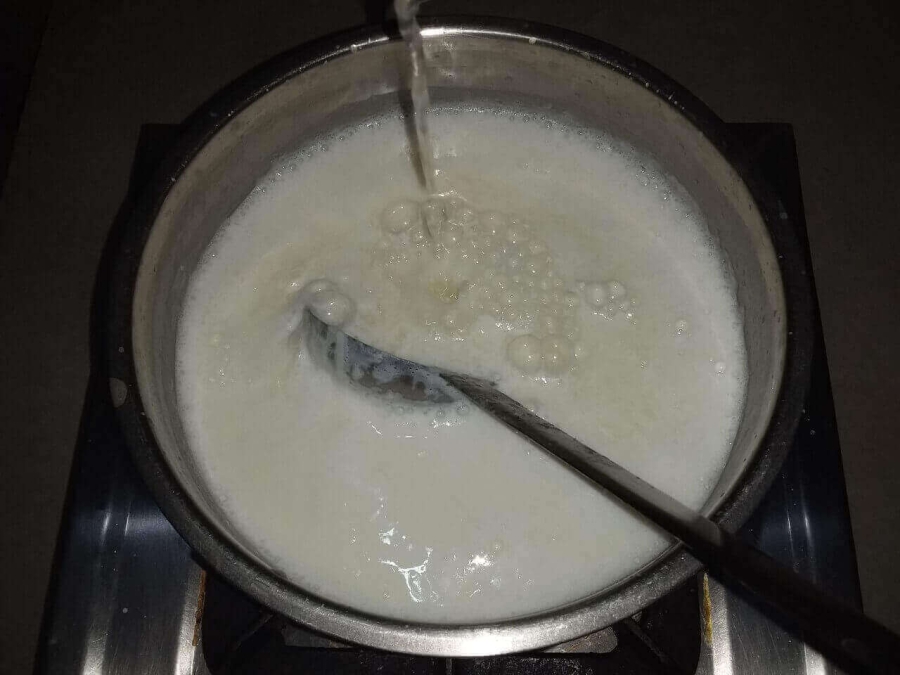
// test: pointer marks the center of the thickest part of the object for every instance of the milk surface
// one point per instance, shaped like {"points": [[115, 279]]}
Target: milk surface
{"points": [[561, 264]]}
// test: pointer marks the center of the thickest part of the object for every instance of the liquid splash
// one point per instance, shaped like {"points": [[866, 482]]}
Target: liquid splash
{"points": [[406, 11], [417, 582]]}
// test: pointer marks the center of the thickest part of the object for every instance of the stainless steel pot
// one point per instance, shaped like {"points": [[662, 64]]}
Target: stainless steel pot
{"points": [[234, 139]]}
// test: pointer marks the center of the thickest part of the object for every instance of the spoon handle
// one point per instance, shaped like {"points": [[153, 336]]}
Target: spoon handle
{"points": [[851, 640]]}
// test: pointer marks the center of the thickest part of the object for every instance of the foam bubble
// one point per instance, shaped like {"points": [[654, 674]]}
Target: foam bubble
{"points": [[401, 216], [524, 352], [328, 303]]}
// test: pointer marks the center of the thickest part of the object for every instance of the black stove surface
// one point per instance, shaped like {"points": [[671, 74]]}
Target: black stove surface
{"points": [[115, 544]]}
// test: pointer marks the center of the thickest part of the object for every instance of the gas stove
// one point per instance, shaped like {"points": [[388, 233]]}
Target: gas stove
{"points": [[128, 596]]}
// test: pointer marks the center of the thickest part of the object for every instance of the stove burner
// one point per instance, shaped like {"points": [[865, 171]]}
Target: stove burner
{"points": [[240, 637], [127, 595]]}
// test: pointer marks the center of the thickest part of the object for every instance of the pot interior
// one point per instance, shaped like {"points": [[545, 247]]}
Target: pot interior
{"points": [[462, 65]]}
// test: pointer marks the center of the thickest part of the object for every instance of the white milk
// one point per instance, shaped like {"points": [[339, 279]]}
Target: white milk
{"points": [[577, 275]]}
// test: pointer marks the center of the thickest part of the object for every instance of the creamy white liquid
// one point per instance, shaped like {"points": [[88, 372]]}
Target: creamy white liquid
{"points": [[634, 346]]}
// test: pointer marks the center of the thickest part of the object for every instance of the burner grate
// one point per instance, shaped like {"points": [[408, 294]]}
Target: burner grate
{"points": [[241, 638]]}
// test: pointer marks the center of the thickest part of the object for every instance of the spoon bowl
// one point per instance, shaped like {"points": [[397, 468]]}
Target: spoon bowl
{"points": [[368, 367]]}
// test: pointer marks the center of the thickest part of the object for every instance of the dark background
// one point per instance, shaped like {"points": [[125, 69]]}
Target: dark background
{"points": [[77, 78]]}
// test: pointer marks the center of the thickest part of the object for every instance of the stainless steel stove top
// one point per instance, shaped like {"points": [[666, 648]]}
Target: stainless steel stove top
{"points": [[127, 595]]}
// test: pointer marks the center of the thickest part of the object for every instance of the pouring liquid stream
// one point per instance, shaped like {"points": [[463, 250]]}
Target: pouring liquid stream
{"points": [[406, 11]]}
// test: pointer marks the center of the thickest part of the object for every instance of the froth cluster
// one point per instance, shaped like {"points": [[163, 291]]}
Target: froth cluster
{"points": [[476, 264]]}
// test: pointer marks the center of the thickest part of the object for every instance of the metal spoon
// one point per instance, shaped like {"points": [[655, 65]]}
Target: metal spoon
{"points": [[850, 639]]}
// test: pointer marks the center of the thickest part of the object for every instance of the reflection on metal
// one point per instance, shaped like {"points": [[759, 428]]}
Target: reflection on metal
{"points": [[601, 642], [745, 642], [126, 588]]}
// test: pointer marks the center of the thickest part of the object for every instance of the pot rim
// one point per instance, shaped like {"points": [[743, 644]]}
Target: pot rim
{"points": [[610, 605]]}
